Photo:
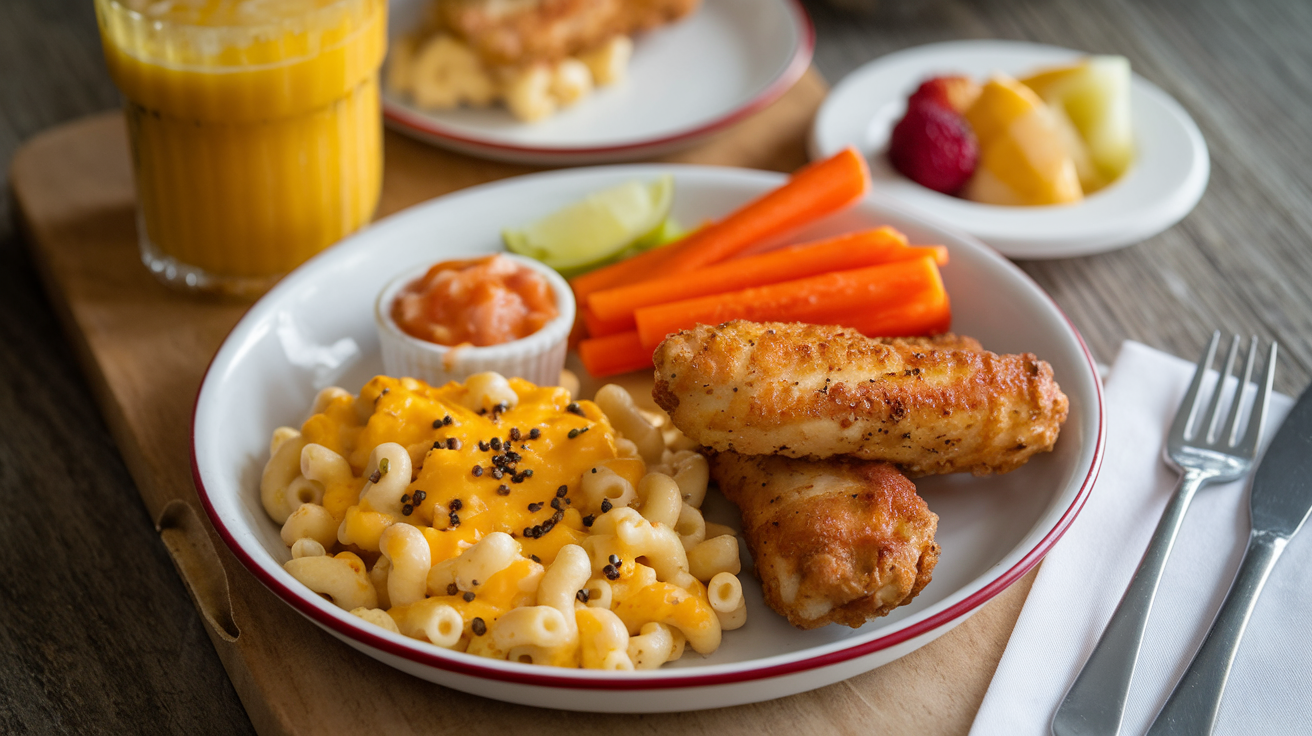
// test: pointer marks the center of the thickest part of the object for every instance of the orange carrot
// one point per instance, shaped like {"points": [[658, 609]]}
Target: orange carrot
{"points": [[929, 316], [853, 250], [612, 354], [816, 299], [626, 271], [598, 327], [811, 193]]}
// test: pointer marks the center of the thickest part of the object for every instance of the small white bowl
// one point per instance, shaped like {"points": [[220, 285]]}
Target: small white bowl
{"points": [[537, 358], [1167, 178]]}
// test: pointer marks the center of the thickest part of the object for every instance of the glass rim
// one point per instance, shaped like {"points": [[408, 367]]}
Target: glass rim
{"points": [[253, 28]]}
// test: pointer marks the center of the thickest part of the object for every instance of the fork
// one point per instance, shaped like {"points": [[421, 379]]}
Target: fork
{"points": [[1095, 702]]}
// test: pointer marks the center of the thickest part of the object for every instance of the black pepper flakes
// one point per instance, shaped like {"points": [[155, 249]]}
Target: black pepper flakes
{"points": [[478, 626], [498, 473], [515, 434], [456, 504], [496, 444], [484, 446], [555, 503], [419, 497], [453, 443], [610, 572], [560, 492], [535, 558], [576, 432], [407, 509], [478, 471], [534, 508], [447, 421], [587, 520], [582, 596], [534, 433], [405, 497], [454, 518], [574, 408], [503, 490], [437, 423], [468, 596], [377, 476], [606, 505], [614, 560], [451, 589]]}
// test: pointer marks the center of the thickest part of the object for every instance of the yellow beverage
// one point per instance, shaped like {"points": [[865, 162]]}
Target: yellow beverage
{"points": [[255, 130]]}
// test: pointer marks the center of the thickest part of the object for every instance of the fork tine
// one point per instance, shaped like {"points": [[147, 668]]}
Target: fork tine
{"points": [[1214, 406], [1232, 421], [1184, 416], [1257, 417]]}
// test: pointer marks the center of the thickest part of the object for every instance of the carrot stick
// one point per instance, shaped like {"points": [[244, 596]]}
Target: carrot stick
{"points": [[598, 327], [811, 193], [816, 299], [929, 316], [626, 271], [612, 354], [853, 250]]}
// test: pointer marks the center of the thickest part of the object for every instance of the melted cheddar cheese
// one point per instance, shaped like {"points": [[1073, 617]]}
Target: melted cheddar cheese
{"points": [[514, 477]]}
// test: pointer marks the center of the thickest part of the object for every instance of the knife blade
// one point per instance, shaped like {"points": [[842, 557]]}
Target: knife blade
{"points": [[1282, 488], [1279, 502]]}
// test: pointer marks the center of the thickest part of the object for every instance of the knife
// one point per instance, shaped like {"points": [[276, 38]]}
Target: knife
{"points": [[1279, 504]]}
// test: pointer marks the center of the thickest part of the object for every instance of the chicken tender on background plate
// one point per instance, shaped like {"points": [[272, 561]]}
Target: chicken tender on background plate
{"points": [[816, 391], [833, 541]]}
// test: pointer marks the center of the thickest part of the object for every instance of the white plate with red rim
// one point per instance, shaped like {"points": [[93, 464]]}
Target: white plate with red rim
{"points": [[316, 328], [686, 81], [1163, 184]]}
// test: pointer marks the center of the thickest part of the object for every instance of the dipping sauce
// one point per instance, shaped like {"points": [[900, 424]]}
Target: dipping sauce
{"points": [[480, 302]]}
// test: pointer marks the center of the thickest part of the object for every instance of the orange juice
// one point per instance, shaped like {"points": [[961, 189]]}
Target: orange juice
{"points": [[255, 130]]}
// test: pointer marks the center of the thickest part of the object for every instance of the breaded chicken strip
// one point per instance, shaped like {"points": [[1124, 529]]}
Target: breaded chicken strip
{"points": [[833, 541], [812, 391], [517, 32]]}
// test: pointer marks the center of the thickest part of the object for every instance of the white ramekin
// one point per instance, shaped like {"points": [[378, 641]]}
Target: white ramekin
{"points": [[538, 358]]}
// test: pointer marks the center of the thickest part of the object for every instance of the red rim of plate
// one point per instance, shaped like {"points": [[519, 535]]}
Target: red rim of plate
{"points": [[773, 91], [450, 663]]}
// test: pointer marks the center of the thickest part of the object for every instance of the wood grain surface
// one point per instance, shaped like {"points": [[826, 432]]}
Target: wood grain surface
{"points": [[97, 633]]}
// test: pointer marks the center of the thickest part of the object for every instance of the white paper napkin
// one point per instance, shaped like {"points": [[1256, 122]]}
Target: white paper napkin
{"points": [[1083, 577]]}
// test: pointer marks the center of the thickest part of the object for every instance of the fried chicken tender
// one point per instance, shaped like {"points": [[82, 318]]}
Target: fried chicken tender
{"points": [[833, 541], [517, 32], [813, 391]]}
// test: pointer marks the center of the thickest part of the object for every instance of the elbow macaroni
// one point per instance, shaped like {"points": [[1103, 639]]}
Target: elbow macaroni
{"points": [[505, 520]]}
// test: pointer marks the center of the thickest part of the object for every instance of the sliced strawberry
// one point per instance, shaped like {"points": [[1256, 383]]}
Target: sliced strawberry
{"points": [[934, 147]]}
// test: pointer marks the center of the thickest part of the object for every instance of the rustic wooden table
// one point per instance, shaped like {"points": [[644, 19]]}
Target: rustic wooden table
{"points": [[98, 635]]}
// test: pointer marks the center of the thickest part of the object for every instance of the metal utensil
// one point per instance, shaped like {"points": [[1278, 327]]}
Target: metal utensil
{"points": [[1095, 703], [1279, 503]]}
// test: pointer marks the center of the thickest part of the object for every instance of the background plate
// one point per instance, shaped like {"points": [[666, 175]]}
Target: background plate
{"points": [[686, 81], [315, 328], [1163, 184]]}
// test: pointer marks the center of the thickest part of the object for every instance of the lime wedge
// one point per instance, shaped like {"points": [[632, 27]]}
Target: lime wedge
{"points": [[599, 228]]}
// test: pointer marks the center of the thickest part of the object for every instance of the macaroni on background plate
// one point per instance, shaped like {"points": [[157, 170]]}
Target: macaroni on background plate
{"points": [[506, 520]]}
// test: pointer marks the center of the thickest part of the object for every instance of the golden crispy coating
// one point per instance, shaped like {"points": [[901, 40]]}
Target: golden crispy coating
{"points": [[833, 541], [813, 391], [515, 32]]}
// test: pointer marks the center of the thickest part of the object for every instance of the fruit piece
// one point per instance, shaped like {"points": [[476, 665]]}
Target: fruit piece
{"points": [[600, 227], [1094, 96], [933, 147], [953, 93], [1023, 158]]}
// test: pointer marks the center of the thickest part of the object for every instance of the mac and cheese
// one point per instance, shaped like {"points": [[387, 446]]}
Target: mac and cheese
{"points": [[505, 520]]}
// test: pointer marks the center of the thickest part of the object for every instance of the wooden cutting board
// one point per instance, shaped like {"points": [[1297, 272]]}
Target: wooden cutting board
{"points": [[145, 348]]}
